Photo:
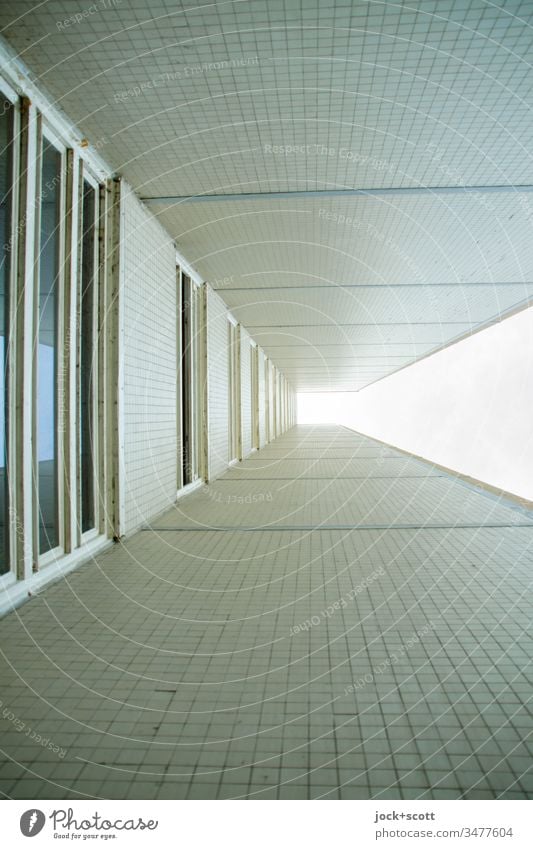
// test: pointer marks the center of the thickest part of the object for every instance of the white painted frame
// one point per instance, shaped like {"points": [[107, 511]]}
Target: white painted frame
{"points": [[196, 447], [234, 384], [46, 131], [254, 395], [266, 390], [84, 174], [27, 567], [10, 577]]}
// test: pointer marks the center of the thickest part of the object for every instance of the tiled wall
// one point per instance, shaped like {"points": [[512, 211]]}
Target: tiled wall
{"points": [[150, 411], [217, 384], [149, 367]]}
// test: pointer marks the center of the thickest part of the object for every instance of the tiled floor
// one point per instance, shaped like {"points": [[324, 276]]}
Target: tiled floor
{"points": [[331, 619]]}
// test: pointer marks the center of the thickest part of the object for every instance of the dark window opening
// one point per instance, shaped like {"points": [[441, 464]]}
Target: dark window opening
{"points": [[88, 362], [6, 240], [47, 353]]}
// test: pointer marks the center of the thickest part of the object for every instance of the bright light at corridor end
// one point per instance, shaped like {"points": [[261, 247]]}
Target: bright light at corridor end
{"points": [[325, 407]]}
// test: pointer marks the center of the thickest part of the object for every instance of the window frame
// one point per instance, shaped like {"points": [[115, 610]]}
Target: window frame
{"points": [[254, 394], [12, 467], [234, 379], [266, 390], [41, 560], [85, 174], [195, 401]]}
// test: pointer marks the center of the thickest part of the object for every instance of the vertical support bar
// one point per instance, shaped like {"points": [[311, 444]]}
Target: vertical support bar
{"points": [[113, 329], [205, 392], [238, 393], [179, 381], [68, 363], [204, 386], [267, 400], [103, 359], [255, 395], [275, 402], [33, 286], [23, 519]]}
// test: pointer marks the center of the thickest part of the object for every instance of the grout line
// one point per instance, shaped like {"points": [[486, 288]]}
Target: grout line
{"points": [[376, 527], [299, 478]]}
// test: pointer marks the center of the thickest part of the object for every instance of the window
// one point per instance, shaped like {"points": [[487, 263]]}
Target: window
{"points": [[267, 401], [198, 386], [233, 391], [254, 373], [88, 355], [51, 433], [190, 399], [7, 117], [186, 380], [47, 346], [274, 408]]}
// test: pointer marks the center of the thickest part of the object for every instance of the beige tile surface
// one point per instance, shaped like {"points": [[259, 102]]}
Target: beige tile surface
{"points": [[362, 632]]}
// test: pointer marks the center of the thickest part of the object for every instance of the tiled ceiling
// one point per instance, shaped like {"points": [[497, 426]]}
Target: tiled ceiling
{"points": [[251, 97]]}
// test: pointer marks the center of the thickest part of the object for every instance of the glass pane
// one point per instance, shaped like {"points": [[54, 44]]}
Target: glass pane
{"points": [[6, 180], [87, 356], [47, 354]]}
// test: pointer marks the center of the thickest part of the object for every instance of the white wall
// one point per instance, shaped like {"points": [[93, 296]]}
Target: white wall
{"points": [[148, 289], [468, 407]]}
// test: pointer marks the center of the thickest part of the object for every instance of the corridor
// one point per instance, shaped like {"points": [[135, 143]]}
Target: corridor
{"points": [[329, 619]]}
